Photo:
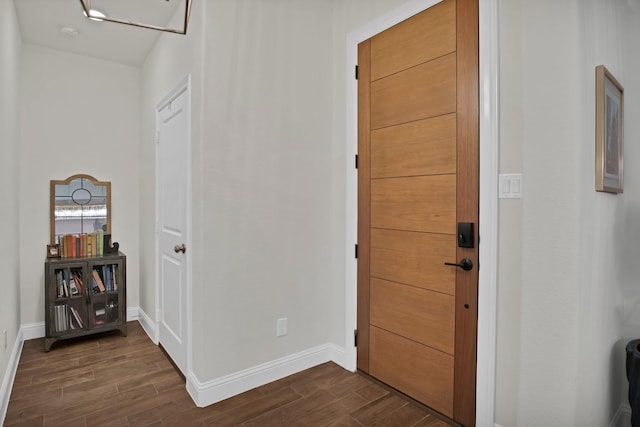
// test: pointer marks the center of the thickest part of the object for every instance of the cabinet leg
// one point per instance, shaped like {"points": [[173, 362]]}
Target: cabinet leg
{"points": [[48, 342], [123, 329]]}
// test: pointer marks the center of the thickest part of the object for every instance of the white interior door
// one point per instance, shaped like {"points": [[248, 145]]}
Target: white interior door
{"points": [[173, 118]]}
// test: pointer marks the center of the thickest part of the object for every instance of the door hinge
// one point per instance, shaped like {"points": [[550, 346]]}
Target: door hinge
{"points": [[355, 337], [356, 161], [356, 72], [356, 251], [157, 137]]}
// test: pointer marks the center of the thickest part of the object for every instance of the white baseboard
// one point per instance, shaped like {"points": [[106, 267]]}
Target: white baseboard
{"points": [[31, 331], [148, 325], [10, 375], [210, 392], [622, 418], [132, 313]]}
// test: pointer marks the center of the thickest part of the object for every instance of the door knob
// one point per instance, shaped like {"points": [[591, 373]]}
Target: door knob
{"points": [[180, 248], [465, 263]]}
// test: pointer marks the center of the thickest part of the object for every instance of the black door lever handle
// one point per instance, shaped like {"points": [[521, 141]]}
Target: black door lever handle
{"points": [[466, 264]]}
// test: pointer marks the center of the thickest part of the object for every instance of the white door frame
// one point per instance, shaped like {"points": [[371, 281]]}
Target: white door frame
{"points": [[183, 86], [487, 275]]}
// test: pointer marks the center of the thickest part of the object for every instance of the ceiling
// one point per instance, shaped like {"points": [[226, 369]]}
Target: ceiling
{"points": [[41, 22]]}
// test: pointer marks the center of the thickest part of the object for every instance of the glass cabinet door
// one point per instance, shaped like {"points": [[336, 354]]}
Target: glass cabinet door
{"points": [[69, 308], [104, 307]]}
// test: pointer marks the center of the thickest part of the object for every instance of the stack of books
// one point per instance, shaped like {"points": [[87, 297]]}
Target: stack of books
{"points": [[81, 245]]}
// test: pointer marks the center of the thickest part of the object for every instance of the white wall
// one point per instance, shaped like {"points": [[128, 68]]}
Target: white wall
{"points": [[78, 115], [10, 51], [268, 174], [568, 292], [510, 215], [626, 228]]}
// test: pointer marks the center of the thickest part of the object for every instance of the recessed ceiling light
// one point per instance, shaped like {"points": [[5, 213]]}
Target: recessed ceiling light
{"points": [[68, 31], [95, 15]]}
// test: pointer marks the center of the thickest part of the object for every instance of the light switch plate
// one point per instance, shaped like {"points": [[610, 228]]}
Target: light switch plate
{"points": [[510, 186]]}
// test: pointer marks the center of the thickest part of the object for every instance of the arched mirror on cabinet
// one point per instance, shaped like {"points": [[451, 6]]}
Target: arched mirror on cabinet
{"points": [[79, 204]]}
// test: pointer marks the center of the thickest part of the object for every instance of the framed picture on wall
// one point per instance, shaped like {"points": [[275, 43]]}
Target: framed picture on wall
{"points": [[609, 132]]}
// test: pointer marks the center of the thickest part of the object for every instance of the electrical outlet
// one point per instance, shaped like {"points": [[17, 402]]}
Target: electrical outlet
{"points": [[282, 327], [4, 338]]}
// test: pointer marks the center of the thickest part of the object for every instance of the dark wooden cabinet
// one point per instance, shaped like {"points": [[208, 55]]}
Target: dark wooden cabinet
{"points": [[84, 296]]}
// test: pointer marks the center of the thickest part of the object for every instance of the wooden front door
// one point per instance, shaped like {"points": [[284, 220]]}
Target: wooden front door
{"points": [[418, 137]]}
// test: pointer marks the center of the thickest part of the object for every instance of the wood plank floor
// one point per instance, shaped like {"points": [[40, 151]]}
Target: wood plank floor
{"points": [[110, 380]]}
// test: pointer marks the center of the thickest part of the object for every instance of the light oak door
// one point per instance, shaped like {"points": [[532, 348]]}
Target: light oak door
{"points": [[418, 134]]}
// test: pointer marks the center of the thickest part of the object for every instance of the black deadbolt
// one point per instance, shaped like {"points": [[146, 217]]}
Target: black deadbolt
{"points": [[465, 235]]}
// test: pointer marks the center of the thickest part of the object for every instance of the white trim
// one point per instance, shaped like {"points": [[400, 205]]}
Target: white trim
{"points": [[10, 374], [488, 247], [132, 313], [487, 302], [210, 392], [148, 325], [183, 86], [622, 418], [31, 331]]}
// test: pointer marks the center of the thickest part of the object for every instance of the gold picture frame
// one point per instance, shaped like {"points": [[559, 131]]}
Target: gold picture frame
{"points": [[609, 132]]}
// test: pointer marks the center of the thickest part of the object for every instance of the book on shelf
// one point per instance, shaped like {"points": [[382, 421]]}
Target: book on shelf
{"points": [[106, 273], [73, 287], [89, 244], [77, 280], [59, 283], [114, 275], [98, 281], [65, 287], [82, 241], [61, 321], [101, 242], [70, 245], [99, 311], [76, 316], [81, 245]]}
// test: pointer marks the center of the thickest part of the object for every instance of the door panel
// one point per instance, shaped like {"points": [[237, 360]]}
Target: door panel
{"points": [[418, 151], [173, 121], [419, 92], [172, 290], [424, 147], [427, 36], [414, 258], [414, 313], [420, 371], [425, 203]]}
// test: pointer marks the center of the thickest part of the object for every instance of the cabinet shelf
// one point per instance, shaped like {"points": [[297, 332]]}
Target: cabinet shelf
{"points": [[84, 296]]}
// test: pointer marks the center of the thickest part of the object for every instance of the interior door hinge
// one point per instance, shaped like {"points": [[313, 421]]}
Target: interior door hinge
{"points": [[356, 161], [355, 337], [157, 137], [356, 72], [356, 251]]}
